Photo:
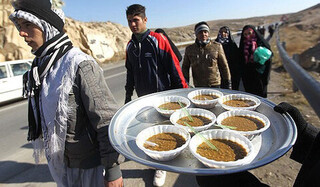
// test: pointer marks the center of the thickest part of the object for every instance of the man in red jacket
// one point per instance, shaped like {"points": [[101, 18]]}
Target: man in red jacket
{"points": [[152, 65]]}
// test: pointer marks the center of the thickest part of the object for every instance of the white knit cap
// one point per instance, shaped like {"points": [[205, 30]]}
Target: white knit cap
{"points": [[201, 28]]}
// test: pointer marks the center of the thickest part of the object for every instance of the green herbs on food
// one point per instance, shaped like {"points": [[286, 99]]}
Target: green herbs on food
{"points": [[203, 138]]}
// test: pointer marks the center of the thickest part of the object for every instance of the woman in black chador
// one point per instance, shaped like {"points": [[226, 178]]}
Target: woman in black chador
{"points": [[232, 53], [255, 76]]}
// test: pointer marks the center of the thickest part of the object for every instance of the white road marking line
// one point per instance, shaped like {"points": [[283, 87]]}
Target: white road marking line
{"points": [[115, 75]]}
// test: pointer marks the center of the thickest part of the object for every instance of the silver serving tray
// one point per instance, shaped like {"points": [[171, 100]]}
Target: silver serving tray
{"points": [[140, 114]]}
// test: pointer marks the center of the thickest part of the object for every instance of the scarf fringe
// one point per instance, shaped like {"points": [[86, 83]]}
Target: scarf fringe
{"points": [[38, 150], [58, 135]]}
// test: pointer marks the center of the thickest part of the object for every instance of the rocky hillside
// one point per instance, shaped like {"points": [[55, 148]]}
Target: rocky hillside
{"points": [[104, 41], [186, 33], [302, 36]]}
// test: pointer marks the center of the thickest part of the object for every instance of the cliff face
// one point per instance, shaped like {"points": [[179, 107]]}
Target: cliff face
{"points": [[104, 41], [12, 46]]}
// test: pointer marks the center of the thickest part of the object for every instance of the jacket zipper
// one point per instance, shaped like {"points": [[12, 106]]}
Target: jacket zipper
{"points": [[90, 138], [140, 55], [156, 59]]}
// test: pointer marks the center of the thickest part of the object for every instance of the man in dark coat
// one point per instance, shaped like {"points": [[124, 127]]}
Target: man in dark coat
{"points": [[306, 150]]}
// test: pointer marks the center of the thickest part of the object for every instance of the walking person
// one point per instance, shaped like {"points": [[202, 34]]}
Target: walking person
{"points": [[232, 53], [174, 47], [151, 64], [271, 31], [70, 105], [255, 76], [207, 61]]}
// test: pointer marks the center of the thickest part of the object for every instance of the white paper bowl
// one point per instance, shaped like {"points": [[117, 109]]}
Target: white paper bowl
{"points": [[205, 103], [193, 111], [162, 155], [166, 99], [248, 134], [222, 134], [225, 98]]}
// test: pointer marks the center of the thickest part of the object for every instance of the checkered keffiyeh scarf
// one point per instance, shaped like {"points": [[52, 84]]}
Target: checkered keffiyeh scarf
{"points": [[250, 45], [48, 29], [55, 46], [47, 55]]}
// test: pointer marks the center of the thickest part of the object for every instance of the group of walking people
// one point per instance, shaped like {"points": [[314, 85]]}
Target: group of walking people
{"points": [[220, 63], [70, 104]]}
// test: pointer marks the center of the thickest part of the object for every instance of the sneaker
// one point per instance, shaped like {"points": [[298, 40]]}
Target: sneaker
{"points": [[159, 178]]}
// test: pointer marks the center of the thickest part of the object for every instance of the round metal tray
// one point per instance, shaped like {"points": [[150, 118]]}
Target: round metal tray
{"points": [[140, 114]]}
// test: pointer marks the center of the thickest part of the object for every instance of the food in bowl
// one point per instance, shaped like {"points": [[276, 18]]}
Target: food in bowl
{"points": [[172, 105], [149, 132], [225, 135], [205, 98], [243, 123], [227, 150], [240, 103], [169, 104], [246, 122], [200, 119], [165, 141], [195, 121]]}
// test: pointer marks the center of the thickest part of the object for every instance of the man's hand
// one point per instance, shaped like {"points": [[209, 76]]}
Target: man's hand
{"points": [[294, 113], [115, 183]]}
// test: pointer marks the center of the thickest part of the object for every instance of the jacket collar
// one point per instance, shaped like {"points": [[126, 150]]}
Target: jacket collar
{"points": [[135, 40]]}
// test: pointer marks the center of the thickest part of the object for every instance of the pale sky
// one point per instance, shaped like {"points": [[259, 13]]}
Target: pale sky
{"points": [[173, 13]]}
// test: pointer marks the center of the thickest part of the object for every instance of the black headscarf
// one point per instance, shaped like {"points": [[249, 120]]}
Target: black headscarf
{"points": [[174, 47], [222, 40], [260, 39], [260, 42]]}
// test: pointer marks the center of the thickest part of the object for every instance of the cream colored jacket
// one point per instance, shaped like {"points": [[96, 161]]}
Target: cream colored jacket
{"points": [[206, 64]]}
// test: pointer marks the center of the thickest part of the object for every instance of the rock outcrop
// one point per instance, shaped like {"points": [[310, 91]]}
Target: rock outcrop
{"points": [[310, 59], [12, 46], [103, 40]]}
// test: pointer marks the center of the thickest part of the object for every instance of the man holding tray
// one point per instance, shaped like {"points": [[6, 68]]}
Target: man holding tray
{"points": [[306, 151]]}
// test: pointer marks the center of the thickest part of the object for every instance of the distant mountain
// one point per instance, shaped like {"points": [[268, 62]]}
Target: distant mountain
{"points": [[186, 33]]}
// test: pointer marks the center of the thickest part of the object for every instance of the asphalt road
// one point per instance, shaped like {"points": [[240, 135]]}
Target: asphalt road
{"points": [[17, 167]]}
